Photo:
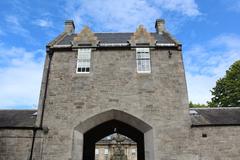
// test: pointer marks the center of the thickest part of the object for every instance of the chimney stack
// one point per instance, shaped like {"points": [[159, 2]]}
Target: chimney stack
{"points": [[160, 26], [69, 26]]}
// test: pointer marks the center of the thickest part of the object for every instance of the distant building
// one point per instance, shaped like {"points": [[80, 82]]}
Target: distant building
{"points": [[107, 147], [132, 83]]}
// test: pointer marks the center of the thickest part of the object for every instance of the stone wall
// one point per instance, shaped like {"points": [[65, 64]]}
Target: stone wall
{"points": [[214, 143], [16, 145], [221, 143]]}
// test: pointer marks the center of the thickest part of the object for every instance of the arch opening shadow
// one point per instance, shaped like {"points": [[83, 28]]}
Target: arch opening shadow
{"points": [[97, 133], [93, 129]]}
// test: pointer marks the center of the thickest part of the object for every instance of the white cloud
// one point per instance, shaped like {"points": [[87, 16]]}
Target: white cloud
{"points": [[199, 87], [21, 73], [43, 23], [15, 26], [208, 62], [121, 15], [185, 7], [125, 15], [233, 5], [230, 41]]}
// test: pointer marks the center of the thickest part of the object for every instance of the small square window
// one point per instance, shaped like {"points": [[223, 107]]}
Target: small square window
{"points": [[96, 151], [133, 152], [96, 154], [105, 151]]}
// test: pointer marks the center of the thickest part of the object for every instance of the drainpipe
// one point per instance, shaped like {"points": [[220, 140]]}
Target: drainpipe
{"points": [[50, 54], [33, 141]]}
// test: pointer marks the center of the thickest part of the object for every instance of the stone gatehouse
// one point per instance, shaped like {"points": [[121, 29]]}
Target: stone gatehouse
{"points": [[96, 84]]}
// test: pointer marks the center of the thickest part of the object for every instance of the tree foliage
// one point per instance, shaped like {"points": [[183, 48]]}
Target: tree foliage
{"points": [[193, 105], [226, 93]]}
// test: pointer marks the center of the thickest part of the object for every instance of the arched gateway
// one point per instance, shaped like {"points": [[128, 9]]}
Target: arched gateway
{"points": [[101, 125]]}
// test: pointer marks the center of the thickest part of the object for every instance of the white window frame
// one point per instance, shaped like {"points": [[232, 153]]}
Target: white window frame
{"points": [[83, 60], [143, 60], [134, 151], [105, 151], [97, 151]]}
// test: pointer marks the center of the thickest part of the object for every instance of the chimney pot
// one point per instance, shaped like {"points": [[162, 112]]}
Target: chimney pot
{"points": [[69, 26], [160, 26]]}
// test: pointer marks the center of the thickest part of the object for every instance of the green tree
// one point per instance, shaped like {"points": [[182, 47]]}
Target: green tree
{"points": [[193, 105], [226, 93]]}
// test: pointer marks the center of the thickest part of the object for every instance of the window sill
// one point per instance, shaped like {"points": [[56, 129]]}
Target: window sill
{"points": [[144, 72], [82, 72]]}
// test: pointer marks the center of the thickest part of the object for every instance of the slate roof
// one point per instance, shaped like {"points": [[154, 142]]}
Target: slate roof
{"points": [[117, 38], [17, 118], [215, 116], [199, 117]]}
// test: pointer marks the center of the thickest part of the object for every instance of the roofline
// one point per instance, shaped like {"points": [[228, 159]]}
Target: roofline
{"points": [[213, 125], [61, 46], [115, 32], [64, 34], [215, 108], [104, 45], [18, 109], [21, 127], [173, 38], [57, 39], [126, 32]]}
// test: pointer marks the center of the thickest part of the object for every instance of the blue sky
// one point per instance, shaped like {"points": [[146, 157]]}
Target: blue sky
{"points": [[208, 29]]}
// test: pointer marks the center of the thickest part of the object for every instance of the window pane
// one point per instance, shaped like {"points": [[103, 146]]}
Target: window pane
{"points": [[143, 60], [133, 151], [83, 61], [105, 151], [96, 151]]}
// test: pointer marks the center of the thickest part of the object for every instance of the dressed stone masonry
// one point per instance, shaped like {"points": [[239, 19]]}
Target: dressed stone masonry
{"points": [[76, 109]]}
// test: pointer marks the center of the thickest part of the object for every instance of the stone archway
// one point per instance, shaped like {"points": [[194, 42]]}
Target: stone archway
{"points": [[104, 123], [95, 134]]}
